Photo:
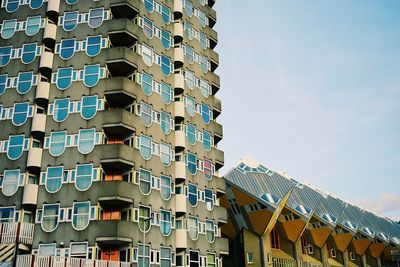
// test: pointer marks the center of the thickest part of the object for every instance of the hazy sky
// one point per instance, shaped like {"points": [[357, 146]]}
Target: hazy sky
{"points": [[313, 88]]}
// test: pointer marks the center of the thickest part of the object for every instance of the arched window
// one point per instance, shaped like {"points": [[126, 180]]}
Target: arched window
{"points": [[67, 48], [10, 182], [205, 91], [70, 20], [165, 187], [71, 2], [11, 5], [93, 45], [61, 109], [210, 231], [165, 154], [35, 4], [149, 5], [84, 176], [143, 255], [5, 55], [189, 78], [3, 83], [166, 93], [64, 78], [50, 215], [146, 112], [91, 75], [192, 163], [207, 164], [33, 25], [191, 133], [145, 146], [202, 18], [188, 30], [202, 2], [80, 215], [193, 227], [205, 113], [165, 222], [147, 55], [165, 122], [165, 14], [189, 53], [208, 197], [20, 113], [165, 39], [86, 140], [144, 181], [95, 17], [8, 28], [25, 82], [204, 63], [58, 142], [188, 7], [144, 218], [207, 140], [166, 257], [203, 40], [165, 65], [147, 83], [15, 146], [148, 27], [54, 177], [190, 106], [192, 194], [28, 53], [89, 107]]}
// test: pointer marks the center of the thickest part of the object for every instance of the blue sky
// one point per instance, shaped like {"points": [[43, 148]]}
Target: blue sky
{"points": [[313, 88]]}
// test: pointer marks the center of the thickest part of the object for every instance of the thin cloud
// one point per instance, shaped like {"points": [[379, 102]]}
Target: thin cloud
{"points": [[387, 204]]}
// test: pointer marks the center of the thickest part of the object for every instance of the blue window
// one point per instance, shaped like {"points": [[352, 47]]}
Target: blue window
{"points": [[25, 82], [144, 181], [67, 48], [205, 89], [12, 5], [3, 83], [204, 63], [148, 28], [202, 2], [191, 133], [202, 18], [270, 198], [80, 215], [207, 140], [165, 154], [54, 177], [71, 2], [189, 53], [188, 7], [20, 114], [61, 109], [165, 39], [83, 176], [203, 40], [11, 181], [210, 231], [8, 28], [165, 222], [208, 197], [64, 78], [146, 114], [166, 93], [192, 194], [50, 216], [95, 17], [165, 122], [70, 20], [86, 140], [149, 5], [190, 79], [188, 30], [165, 65], [190, 106], [7, 214], [15, 146], [28, 53], [205, 113], [35, 4], [91, 75], [192, 163], [89, 107], [33, 25], [165, 187], [93, 45], [58, 141], [165, 14], [5, 55], [147, 83], [145, 146]]}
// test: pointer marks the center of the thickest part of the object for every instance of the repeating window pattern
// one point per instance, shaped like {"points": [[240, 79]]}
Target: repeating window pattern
{"points": [[92, 46], [15, 146], [94, 18], [145, 256], [11, 180], [149, 116], [88, 107], [27, 53], [9, 214], [191, 11], [13, 5], [31, 26], [146, 218], [191, 33], [194, 135], [73, 2], [202, 109], [194, 164], [147, 182], [162, 9], [90, 76], [192, 81], [195, 227], [150, 30], [22, 83], [18, 114], [148, 148], [195, 195], [192, 57], [150, 57], [149, 86], [194, 259]]}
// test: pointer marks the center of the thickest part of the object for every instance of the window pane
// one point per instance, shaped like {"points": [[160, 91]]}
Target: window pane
{"points": [[54, 177], [149, 5], [33, 25], [95, 17], [70, 20], [192, 163], [86, 140], [10, 182], [91, 75], [80, 215], [145, 181], [20, 114], [165, 187], [57, 143], [147, 83], [67, 48], [28, 53], [61, 109], [166, 93], [84, 174], [93, 45], [24, 82], [192, 194], [35, 4], [89, 107], [15, 146], [64, 78], [145, 147], [146, 113], [8, 28], [5, 55], [165, 122], [50, 217], [165, 222]]}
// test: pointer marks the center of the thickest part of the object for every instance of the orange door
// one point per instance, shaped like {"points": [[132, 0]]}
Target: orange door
{"points": [[110, 255]]}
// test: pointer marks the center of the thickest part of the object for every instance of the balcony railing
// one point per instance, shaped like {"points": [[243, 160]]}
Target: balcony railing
{"points": [[12, 232], [279, 262], [54, 261]]}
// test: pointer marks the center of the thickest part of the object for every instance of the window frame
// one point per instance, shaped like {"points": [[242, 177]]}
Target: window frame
{"points": [[56, 216], [81, 214]]}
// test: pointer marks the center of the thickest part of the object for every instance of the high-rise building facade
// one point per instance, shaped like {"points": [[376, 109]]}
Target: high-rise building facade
{"points": [[108, 140]]}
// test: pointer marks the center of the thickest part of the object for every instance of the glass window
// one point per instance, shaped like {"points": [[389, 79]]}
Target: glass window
{"points": [[54, 177], [194, 259], [15, 146], [8, 28], [165, 122], [165, 222], [165, 14], [93, 45], [70, 20], [165, 65], [12, 5], [189, 78], [61, 109], [50, 217], [67, 48], [80, 215], [165, 39], [205, 113], [211, 260], [207, 140], [202, 18], [189, 54], [78, 249], [192, 163], [143, 254], [35, 4], [148, 27], [149, 5], [95, 17], [192, 194], [7, 214], [84, 175], [202, 2], [147, 55], [20, 114], [191, 133], [207, 169], [71, 2], [33, 25], [204, 63], [89, 107], [145, 146], [188, 30], [203, 40], [165, 257], [166, 93], [58, 142], [5, 55], [146, 113], [144, 218], [205, 91], [64, 78], [10, 182], [165, 188], [47, 249], [25, 82], [210, 231], [3, 83], [91, 75], [28, 53], [188, 7], [144, 181], [190, 106], [165, 154], [147, 83], [86, 140], [208, 197], [193, 227]]}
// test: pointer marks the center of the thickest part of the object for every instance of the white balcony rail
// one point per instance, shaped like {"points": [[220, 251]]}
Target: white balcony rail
{"points": [[11, 232], [279, 262], [54, 261]]}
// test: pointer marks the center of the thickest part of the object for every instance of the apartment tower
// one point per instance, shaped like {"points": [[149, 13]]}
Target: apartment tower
{"points": [[108, 140]]}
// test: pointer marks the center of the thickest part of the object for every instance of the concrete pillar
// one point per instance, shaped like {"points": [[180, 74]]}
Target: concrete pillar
{"points": [[325, 255], [346, 258], [364, 260], [266, 245], [298, 252]]}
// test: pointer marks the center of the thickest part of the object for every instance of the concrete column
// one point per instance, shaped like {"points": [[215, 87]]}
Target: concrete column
{"points": [[364, 260], [346, 258], [266, 245], [298, 253], [324, 255]]}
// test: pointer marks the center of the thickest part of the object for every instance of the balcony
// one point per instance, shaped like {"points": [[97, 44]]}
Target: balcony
{"points": [[180, 170], [220, 186], [12, 232], [180, 204], [180, 140], [50, 33], [55, 261], [34, 158], [46, 63], [30, 195], [53, 8], [116, 156], [42, 92], [178, 9], [181, 238], [38, 124], [178, 32], [217, 128], [178, 57], [120, 91], [179, 110], [114, 194], [124, 9], [179, 83], [122, 31], [118, 123], [121, 61], [222, 215]]}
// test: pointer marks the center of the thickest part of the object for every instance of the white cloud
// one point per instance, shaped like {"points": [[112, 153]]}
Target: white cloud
{"points": [[387, 204]]}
